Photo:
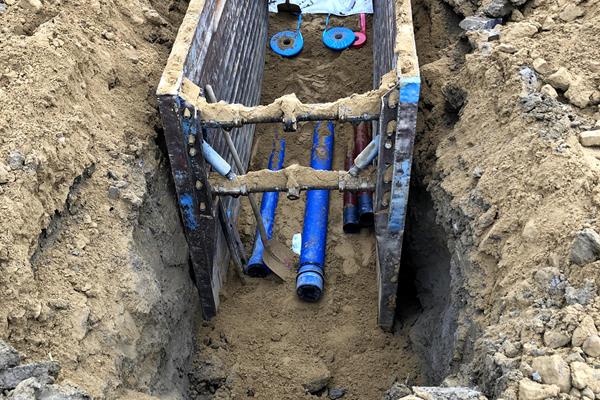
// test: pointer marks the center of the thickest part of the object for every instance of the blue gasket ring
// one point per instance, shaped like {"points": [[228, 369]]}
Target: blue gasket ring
{"points": [[287, 43], [338, 38]]}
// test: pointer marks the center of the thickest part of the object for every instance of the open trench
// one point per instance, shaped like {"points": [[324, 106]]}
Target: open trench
{"points": [[267, 343]]}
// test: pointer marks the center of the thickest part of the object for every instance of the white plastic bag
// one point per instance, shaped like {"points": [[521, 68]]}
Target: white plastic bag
{"points": [[337, 7]]}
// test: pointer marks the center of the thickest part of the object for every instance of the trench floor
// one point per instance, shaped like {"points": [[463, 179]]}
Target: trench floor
{"points": [[265, 341]]}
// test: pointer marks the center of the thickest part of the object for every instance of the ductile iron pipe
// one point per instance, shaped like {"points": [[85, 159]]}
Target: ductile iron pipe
{"points": [[350, 216], [310, 281], [362, 138], [256, 267]]}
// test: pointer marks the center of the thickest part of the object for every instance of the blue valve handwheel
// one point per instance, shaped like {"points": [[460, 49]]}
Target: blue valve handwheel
{"points": [[287, 43], [338, 38]]}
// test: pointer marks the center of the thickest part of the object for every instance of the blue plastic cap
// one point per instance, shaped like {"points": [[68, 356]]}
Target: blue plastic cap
{"points": [[287, 43], [309, 283]]}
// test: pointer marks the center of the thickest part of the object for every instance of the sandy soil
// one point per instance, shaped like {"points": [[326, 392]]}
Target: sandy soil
{"points": [[275, 342]]}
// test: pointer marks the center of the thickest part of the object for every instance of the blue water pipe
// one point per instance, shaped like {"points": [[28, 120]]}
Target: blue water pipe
{"points": [[310, 280], [256, 267]]}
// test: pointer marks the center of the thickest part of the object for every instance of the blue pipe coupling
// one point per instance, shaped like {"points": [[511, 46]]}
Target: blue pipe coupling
{"points": [[256, 266], [310, 280]]}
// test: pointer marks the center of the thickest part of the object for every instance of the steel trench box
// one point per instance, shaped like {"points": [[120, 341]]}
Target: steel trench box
{"points": [[223, 43]]}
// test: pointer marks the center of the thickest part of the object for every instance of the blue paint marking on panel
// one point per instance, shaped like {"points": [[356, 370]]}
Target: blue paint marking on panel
{"points": [[400, 188], [410, 89], [187, 207]]}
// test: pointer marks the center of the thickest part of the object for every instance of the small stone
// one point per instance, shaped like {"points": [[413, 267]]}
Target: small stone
{"points": [[16, 160], [34, 5], [108, 35], [571, 12], [45, 372], [9, 357], [561, 79], [542, 67], [318, 380], [580, 94], [506, 48], [474, 23], [496, 8], [549, 91], [586, 247], [397, 391], [556, 339], [591, 346], [519, 30], [582, 295], [548, 23], [477, 172], [530, 390], [588, 393], [4, 174], [554, 371], [516, 16], [113, 192], [446, 393], [337, 393], [276, 337], [583, 375], [585, 329], [154, 17], [10, 2]]}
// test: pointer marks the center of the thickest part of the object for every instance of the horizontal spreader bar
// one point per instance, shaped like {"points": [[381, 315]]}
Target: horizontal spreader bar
{"points": [[292, 180], [288, 109]]}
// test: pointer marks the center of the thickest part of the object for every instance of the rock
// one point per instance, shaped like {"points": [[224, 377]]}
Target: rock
{"points": [[336, 393], [16, 160], [587, 138], [496, 8], [583, 295], [519, 30], [529, 390], [276, 337], [554, 371], [2, 8], [585, 329], [586, 247], [542, 67], [154, 17], [474, 23], [548, 90], [33, 5], [584, 376], [571, 12], [9, 357], [44, 372], [318, 379], [109, 35], [580, 93], [114, 192], [506, 48], [561, 79], [591, 346], [447, 393], [32, 389], [397, 391], [589, 393], [556, 339], [516, 16]]}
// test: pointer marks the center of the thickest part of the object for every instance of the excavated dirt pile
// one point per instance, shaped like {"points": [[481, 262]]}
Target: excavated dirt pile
{"points": [[502, 247]]}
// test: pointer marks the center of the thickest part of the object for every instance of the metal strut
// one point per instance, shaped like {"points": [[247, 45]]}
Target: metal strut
{"points": [[292, 180]]}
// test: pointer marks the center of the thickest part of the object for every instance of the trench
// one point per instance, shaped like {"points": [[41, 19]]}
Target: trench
{"points": [[265, 342]]}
